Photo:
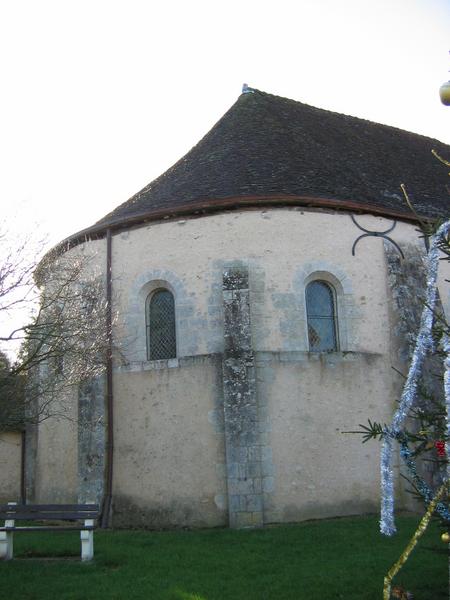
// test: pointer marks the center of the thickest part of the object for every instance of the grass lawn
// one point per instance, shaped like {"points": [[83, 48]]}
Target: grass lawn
{"points": [[339, 558]]}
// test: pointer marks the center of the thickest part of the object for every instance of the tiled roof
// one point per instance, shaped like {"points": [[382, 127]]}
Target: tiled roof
{"points": [[268, 149]]}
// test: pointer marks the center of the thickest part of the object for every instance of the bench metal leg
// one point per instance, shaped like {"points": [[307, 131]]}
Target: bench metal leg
{"points": [[7, 539], [6, 544], [87, 541]]}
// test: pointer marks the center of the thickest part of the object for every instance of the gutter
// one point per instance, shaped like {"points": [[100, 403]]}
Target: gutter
{"points": [[107, 502]]}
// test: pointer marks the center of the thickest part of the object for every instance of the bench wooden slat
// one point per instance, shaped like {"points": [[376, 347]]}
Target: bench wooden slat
{"points": [[47, 516], [49, 528], [40, 512], [47, 507]]}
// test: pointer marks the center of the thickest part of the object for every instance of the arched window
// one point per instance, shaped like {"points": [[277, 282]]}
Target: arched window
{"points": [[160, 324], [321, 315]]}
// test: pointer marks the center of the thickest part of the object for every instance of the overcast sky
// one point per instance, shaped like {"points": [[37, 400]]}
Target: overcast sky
{"points": [[100, 97]]}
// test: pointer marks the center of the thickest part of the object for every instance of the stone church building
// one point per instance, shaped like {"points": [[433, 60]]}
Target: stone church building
{"points": [[265, 286]]}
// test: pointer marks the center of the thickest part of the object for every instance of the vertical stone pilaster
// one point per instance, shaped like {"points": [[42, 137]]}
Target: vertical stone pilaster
{"points": [[407, 287], [91, 440], [243, 450]]}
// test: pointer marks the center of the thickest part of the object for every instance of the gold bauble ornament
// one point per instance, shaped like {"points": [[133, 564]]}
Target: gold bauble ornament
{"points": [[445, 537], [444, 93]]}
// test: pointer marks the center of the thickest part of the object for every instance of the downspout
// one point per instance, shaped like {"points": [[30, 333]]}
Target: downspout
{"points": [[23, 488], [109, 388]]}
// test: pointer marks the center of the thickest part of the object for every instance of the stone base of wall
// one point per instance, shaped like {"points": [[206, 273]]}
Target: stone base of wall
{"points": [[179, 513]]}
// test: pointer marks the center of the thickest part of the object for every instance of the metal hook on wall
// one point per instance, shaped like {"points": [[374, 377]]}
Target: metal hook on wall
{"points": [[382, 234]]}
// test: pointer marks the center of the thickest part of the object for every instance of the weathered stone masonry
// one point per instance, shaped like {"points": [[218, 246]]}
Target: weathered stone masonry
{"points": [[243, 451], [407, 291], [91, 440]]}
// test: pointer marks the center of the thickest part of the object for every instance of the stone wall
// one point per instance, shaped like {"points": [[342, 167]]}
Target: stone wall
{"points": [[56, 464], [311, 468], [169, 465], [10, 466], [245, 426], [282, 249]]}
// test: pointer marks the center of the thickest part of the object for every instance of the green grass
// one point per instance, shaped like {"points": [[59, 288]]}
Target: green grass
{"points": [[323, 560]]}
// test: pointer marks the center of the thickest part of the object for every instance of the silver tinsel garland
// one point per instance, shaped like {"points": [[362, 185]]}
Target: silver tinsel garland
{"points": [[446, 345], [425, 491], [424, 343]]}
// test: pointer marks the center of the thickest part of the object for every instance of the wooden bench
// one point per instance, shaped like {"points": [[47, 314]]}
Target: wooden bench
{"points": [[54, 513]]}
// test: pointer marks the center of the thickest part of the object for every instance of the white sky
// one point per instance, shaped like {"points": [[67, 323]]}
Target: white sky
{"points": [[99, 97]]}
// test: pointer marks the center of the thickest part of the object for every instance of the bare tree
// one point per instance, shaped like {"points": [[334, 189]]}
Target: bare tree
{"points": [[65, 338]]}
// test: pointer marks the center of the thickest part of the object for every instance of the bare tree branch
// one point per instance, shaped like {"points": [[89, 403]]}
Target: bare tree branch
{"points": [[64, 342]]}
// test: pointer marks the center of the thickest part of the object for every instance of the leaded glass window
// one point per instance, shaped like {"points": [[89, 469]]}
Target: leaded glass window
{"points": [[160, 321], [321, 314]]}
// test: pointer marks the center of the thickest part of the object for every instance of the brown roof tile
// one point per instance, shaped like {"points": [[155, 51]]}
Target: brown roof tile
{"points": [[272, 149]]}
